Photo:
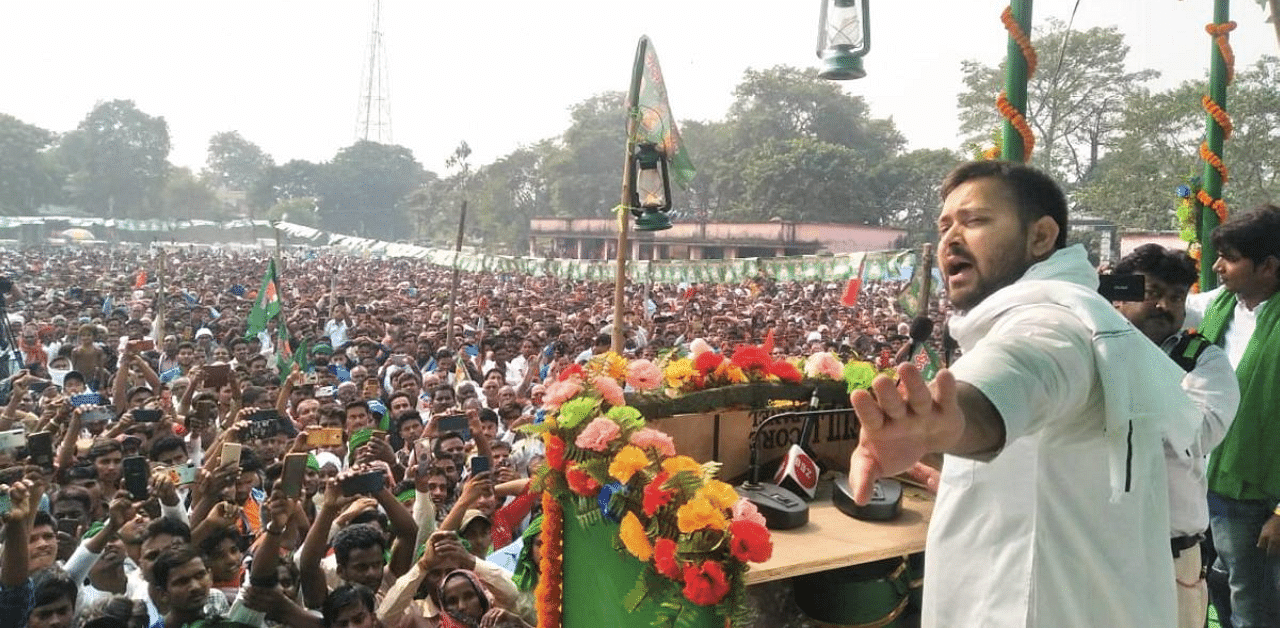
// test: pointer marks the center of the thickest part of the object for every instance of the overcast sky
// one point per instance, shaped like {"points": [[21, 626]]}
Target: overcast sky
{"points": [[286, 74]]}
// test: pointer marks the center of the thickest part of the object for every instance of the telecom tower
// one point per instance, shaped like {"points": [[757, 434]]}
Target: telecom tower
{"points": [[373, 118]]}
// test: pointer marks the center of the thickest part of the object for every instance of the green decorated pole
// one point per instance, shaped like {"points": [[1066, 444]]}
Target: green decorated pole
{"points": [[1215, 137], [624, 217], [1016, 75]]}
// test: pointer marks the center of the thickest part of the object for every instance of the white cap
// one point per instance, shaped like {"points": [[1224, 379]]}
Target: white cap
{"points": [[814, 337]]}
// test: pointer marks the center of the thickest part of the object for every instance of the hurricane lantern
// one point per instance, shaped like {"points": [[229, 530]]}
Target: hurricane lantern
{"points": [[844, 37], [650, 188]]}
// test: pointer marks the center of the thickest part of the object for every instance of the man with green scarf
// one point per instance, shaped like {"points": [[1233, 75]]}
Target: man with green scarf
{"points": [[1244, 471]]}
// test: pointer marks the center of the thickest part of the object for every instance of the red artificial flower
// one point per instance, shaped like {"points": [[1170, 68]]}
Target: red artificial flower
{"points": [[786, 371], [573, 369], [705, 584], [580, 481], [555, 452], [749, 358], [664, 559], [654, 495], [707, 361], [768, 342], [750, 542]]}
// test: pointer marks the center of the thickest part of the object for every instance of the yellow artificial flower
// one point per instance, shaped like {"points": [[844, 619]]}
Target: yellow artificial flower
{"points": [[627, 461], [681, 463], [720, 494], [615, 366], [678, 372], [699, 513], [634, 537], [730, 373]]}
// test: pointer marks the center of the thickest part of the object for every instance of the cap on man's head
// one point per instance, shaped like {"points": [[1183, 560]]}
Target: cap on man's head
{"points": [[814, 336], [204, 331]]}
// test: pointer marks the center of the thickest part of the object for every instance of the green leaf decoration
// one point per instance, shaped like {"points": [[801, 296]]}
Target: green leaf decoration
{"points": [[576, 410], [858, 375], [627, 417], [637, 594]]}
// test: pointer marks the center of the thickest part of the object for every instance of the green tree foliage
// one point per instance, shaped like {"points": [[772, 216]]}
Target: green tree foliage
{"points": [[187, 198], [234, 163], [1075, 100], [117, 159], [28, 178], [505, 195], [296, 178], [908, 187], [363, 188], [585, 171]]}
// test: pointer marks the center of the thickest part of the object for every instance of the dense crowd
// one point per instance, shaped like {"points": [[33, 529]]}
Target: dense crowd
{"points": [[166, 466]]}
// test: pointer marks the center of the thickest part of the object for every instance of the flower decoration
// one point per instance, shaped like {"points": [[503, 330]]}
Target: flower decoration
{"points": [[576, 410], [609, 390], [629, 460], [698, 514], [555, 452], [561, 391], [824, 365], [786, 371], [570, 372], [750, 541], [678, 373], [859, 374], [707, 361], [699, 347], [751, 358], [598, 434], [665, 561], [744, 510], [643, 375], [634, 538], [580, 481], [655, 496], [649, 438], [705, 584]]}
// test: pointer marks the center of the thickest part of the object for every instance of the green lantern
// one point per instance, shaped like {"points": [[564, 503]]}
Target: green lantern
{"points": [[650, 188], [844, 37]]}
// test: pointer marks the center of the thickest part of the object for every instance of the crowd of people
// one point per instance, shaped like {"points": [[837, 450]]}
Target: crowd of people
{"points": [[338, 481]]}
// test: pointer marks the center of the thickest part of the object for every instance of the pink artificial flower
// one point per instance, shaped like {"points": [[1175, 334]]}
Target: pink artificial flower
{"points": [[559, 392], [747, 511], [597, 435], [610, 390], [643, 375], [698, 347], [647, 437], [823, 365]]}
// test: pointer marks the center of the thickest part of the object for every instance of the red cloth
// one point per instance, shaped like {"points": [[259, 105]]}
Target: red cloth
{"points": [[506, 521]]}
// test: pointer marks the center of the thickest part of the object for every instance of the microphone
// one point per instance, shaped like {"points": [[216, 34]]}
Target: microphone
{"points": [[798, 471], [921, 329], [782, 509], [949, 345]]}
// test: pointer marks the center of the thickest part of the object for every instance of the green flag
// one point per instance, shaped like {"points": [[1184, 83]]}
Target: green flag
{"points": [[909, 298], [926, 359], [268, 304], [655, 122]]}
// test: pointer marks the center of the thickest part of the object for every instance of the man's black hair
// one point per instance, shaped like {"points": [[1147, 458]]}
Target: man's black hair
{"points": [[354, 537], [75, 493], [1035, 193], [165, 444], [410, 415], [488, 416], [359, 403], [168, 560], [51, 585], [343, 597], [209, 544], [438, 451], [43, 518], [1254, 235], [1171, 266], [170, 526]]}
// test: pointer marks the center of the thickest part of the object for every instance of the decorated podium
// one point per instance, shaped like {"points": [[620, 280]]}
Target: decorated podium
{"points": [[641, 526]]}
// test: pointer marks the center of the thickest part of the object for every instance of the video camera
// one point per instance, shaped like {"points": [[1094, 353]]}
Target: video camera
{"points": [[1126, 288]]}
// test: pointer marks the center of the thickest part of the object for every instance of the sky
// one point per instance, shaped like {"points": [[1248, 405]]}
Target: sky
{"points": [[287, 74]]}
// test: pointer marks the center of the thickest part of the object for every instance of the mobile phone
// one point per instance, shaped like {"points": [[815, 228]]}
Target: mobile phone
{"points": [[97, 415], [420, 450], [138, 346], [40, 448], [147, 415], [39, 386], [1128, 288], [86, 399], [136, 471], [378, 434], [70, 527], [183, 474], [364, 483], [295, 466], [454, 423], [231, 452], [324, 437], [6, 504], [217, 375], [480, 464], [11, 440]]}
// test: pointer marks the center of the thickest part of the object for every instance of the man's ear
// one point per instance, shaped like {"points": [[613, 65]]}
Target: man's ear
{"points": [[1042, 237]]}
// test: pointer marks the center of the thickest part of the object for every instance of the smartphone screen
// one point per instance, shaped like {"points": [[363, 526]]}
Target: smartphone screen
{"points": [[40, 448], [146, 415], [230, 452], [135, 476], [217, 375], [324, 436], [480, 464], [295, 466], [454, 423], [364, 484]]}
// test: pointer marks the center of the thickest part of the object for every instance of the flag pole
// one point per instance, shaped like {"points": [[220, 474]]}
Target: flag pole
{"points": [[624, 218], [926, 267], [453, 288], [157, 326]]}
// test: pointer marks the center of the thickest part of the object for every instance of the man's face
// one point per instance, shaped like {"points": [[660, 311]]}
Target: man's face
{"points": [[42, 548], [185, 356], [151, 548], [73, 510], [1244, 277], [1161, 313], [438, 488], [245, 485], [241, 352], [442, 401], [188, 587], [307, 411], [355, 616], [357, 419], [489, 429], [224, 562], [364, 566], [982, 244], [399, 406], [453, 447], [410, 431], [449, 467], [56, 614]]}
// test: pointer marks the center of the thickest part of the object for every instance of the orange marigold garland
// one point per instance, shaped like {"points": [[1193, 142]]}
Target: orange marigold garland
{"points": [[549, 594], [1010, 113], [1219, 32]]}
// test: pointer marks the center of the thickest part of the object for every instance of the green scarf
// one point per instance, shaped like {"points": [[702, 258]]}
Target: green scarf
{"points": [[526, 575], [1245, 466]]}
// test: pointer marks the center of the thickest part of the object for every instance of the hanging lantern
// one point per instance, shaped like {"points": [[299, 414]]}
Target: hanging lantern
{"points": [[844, 37], [650, 188]]}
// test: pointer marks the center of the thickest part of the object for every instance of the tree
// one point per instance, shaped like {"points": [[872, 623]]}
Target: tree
{"points": [[28, 179], [506, 194], [188, 198], [1075, 100], [585, 171], [362, 190], [234, 163], [118, 159], [293, 179], [908, 187]]}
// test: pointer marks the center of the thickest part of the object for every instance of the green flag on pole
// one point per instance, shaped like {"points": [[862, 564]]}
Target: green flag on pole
{"points": [[268, 304], [656, 124]]}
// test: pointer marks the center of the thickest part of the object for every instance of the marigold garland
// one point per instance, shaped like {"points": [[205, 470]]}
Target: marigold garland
{"points": [[1219, 33], [1006, 108], [549, 594]]}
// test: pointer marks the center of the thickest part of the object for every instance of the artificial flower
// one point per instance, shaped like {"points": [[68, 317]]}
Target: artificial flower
{"points": [[720, 495], [576, 410], [561, 391], [655, 496], [678, 372], [643, 375], [572, 371], [858, 374], [615, 366], [707, 362], [751, 358], [580, 481], [628, 460], [730, 373], [699, 347], [699, 514], [626, 417], [555, 452], [824, 364], [609, 390], [664, 559], [744, 510], [750, 541], [649, 438], [597, 435], [786, 371], [705, 584], [681, 463], [636, 540]]}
